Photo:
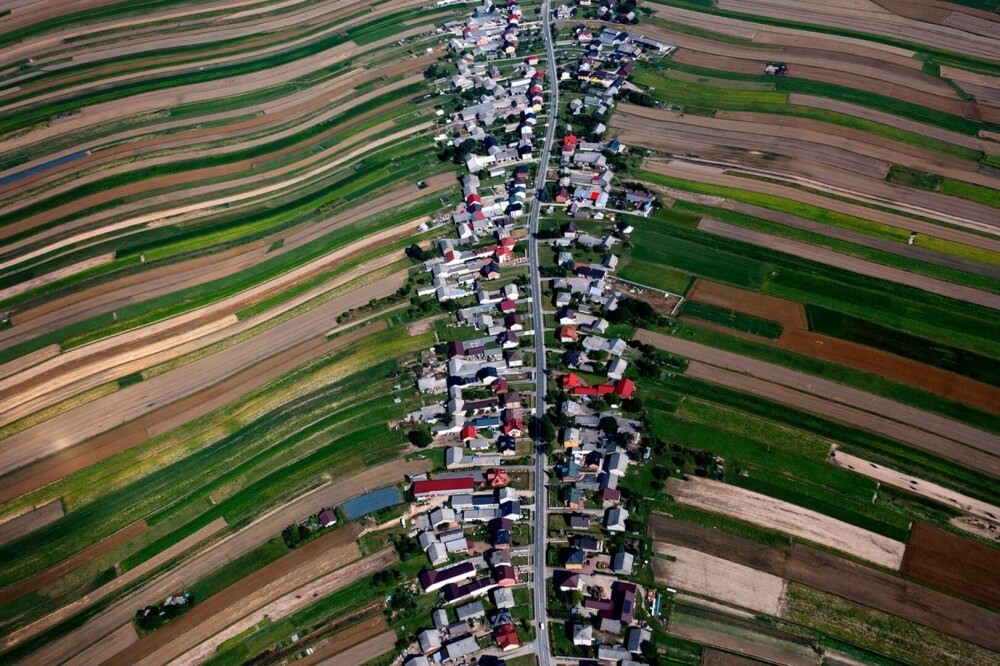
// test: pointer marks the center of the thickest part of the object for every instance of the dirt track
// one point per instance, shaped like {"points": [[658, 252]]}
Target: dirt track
{"points": [[213, 556], [846, 579], [789, 518], [937, 434], [797, 337], [862, 266]]}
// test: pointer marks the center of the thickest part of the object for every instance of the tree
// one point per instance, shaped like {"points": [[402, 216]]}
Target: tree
{"points": [[421, 437], [416, 253], [608, 425]]}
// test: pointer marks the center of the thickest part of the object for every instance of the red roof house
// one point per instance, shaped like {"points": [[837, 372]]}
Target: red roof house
{"points": [[423, 489], [507, 305], [506, 637], [468, 432], [569, 380], [624, 388]]}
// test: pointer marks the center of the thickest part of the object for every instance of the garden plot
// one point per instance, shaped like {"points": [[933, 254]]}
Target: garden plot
{"points": [[718, 578], [915, 485], [782, 516]]}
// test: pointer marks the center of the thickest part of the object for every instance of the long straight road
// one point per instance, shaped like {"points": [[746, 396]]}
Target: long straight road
{"points": [[541, 496]]}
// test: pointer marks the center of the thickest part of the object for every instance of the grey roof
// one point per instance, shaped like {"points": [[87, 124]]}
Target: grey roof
{"points": [[429, 639], [470, 610]]}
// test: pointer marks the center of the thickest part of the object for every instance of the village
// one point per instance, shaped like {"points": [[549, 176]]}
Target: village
{"points": [[474, 529]]}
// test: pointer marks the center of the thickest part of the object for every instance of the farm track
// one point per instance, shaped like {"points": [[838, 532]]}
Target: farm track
{"points": [[939, 435], [843, 578], [206, 559]]}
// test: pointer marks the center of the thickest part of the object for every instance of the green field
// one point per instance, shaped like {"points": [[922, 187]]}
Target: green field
{"points": [[732, 319]]}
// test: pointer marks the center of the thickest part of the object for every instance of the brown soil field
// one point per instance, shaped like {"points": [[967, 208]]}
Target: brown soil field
{"points": [[891, 120], [829, 573], [915, 485], [111, 644], [17, 527], [206, 560], [789, 518], [804, 157], [787, 313], [864, 267], [718, 578], [934, 433], [56, 572], [354, 635], [371, 648], [328, 552], [710, 657], [868, 17], [681, 170], [959, 565], [797, 337]]}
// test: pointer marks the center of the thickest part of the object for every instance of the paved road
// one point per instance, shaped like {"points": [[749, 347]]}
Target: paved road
{"points": [[542, 642]]}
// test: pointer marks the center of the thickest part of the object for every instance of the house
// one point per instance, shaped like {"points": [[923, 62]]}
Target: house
{"points": [[617, 368], [424, 489], [635, 637], [617, 464], [435, 579], [622, 563], [572, 498], [469, 611], [568, 471], [499, 387], [583, 634], [624, 388], [437, 553], [416, 660], [569, 230], [614, 519], [513, 427], [573, 559], [578, 522], [610, 626], [514, 322], [571, 438], [613, 653], [586, 543], [566, 317], [441, 516], [513, 358], [569, 381], [507, 306], [566, 581], [430, 640], [506, 637], [504, 575], [503, 597], [327, 518], [460, 648]]}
